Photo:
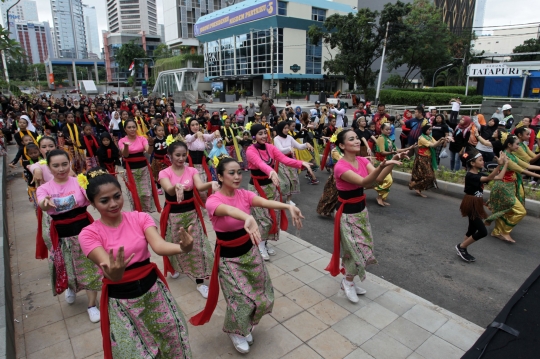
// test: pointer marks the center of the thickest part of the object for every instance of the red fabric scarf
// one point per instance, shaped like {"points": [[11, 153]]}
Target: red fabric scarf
{"points": [[284, 224], [132, 187]]}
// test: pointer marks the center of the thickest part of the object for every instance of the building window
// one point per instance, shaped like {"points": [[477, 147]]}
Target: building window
{"points": [[313, 57], [318, 14], [282, 8]]}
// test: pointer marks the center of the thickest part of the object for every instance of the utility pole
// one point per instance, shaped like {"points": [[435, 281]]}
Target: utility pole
{"points": [[3, 52], [272, 62], [382, 64]]}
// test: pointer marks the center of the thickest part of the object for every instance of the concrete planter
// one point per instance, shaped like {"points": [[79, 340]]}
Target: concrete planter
{"points": [[230, 98], [456, 190]]}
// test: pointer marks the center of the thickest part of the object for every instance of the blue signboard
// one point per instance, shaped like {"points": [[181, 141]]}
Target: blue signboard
{"points": [[251, 13], [144, 88]]}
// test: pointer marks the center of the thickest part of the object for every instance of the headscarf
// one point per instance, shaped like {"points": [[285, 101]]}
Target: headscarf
{"points": [[216, 151], [407, 115], [465, 126], [256, 128], [487, 131], [298, 111], [30, 126], [279, 128], [102, 152]]}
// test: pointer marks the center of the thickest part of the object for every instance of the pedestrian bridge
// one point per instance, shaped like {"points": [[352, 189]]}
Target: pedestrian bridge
{"points": [[185, 79]]}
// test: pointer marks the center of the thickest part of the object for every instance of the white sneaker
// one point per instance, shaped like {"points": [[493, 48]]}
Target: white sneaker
{"points": [[203, 289], [70, 296], [350, 292], [175, 275], [270, 250], [359, 290], [291, 203], [249, 339], [94, 314], [264, 252], [240, 343]]}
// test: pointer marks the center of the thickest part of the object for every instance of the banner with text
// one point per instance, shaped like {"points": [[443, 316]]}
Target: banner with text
{"points": [[251, 13], [493, 70]]}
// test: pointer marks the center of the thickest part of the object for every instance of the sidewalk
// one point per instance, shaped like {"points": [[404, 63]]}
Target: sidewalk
{"points": [[310, 319]]}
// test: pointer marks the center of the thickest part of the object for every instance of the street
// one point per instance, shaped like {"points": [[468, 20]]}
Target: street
{"points": [[414, 244]]}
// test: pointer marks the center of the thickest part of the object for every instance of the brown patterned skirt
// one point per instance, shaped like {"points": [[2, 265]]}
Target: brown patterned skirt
{"points": [[329, 198], [422, 176]]}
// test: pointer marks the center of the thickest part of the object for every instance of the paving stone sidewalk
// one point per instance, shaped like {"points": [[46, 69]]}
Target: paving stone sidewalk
{"points": [[310, 318]]}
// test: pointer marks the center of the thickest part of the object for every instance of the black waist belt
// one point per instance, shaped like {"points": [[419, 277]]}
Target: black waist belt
{"points": [[133, 164], [72, 229], [181, 208], [196, 157], [233, 252], [134, 289], [259, 173], [349, 208]]}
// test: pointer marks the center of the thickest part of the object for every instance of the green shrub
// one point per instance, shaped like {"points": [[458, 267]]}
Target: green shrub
{"points": [[459, 90], [413, 98]]}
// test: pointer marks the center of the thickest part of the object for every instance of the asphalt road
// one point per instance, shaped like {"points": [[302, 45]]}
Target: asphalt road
{"points": [[414, 245]]}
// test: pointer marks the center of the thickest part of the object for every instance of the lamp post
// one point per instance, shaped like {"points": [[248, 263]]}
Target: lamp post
{"points": [[435, 73], [382, 64]]}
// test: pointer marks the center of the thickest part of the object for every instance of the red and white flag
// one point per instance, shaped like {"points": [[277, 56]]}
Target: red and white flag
{"points": [[132, 66]]}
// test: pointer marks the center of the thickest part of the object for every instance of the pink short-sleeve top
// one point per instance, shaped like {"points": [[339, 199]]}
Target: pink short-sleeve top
{"points": [[343, 166]]}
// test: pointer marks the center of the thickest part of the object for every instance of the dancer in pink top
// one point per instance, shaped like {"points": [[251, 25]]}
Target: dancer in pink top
{"points": [[262, 161]]}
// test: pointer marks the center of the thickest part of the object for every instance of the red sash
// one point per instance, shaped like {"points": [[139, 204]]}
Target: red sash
{"points": [[101, 120], [129, 276], [133, 188], [284, 224], [213, 293], [167, 267], [206, 169], [163, 158], [89, 145], [41, 248], [327, 149], [333, 266]]}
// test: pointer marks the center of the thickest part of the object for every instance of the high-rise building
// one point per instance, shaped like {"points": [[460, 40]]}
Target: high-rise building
{"points": [[91, 29], [479, 13], [132, 16], [69, 32], [457, 14], [24, 10], [35, 38], [180, 17]]}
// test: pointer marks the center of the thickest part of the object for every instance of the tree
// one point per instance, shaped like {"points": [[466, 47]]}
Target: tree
{"points": [[162, 51], [127, 53], [422, 43], [531, 45], [358, 39]]}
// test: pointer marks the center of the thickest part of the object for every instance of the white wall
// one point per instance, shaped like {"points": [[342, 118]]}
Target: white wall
{"points": [[292, 53], [300, 11], [503, 41], [170, 20], [328, 54]]}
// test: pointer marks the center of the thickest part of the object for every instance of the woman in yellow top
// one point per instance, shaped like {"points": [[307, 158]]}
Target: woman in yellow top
{"points": [[425, 163], [507, 197], [385, 150], [142, 125], [523, 152]]}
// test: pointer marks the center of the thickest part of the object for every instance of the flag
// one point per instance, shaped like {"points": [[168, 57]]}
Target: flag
{"points": [[132, 66]]}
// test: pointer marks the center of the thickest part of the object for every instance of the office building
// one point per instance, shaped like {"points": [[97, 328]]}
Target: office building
{"points": [[69, 30], [479, 13], [113, 41], [24, 10], [259, 46], [132, 16], [503, 41], [91, 29], [457, 14], [35, 38], [180, 17]]}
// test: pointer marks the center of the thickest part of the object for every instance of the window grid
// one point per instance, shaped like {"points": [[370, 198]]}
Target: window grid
{"points": [[318, 14], [313, 57], [282, 8]]}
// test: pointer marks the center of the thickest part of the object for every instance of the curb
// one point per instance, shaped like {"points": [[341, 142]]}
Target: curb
{"points": [[456, 190]]}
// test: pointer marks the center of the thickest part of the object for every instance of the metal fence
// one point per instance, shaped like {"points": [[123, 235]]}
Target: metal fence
{"points": [[399, 109]]}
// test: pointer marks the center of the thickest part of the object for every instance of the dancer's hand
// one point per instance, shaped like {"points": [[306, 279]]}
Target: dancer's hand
{"points": [[502, 159], [48, 203], [114, 270], [215, 186], [296, 216], [400, 156], [179, 189], [186, 239], [309, 147], [386, 163], [252, 228], [274, 177], [38, 177]]}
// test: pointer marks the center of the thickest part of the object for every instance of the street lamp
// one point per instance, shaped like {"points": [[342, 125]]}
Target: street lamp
{"points": [[382, 64], [435, 73]]}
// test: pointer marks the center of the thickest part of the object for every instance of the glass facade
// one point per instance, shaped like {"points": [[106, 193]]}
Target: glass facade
{"points": [[246, 54], [313, 57], [282, 8], [318, 14]]}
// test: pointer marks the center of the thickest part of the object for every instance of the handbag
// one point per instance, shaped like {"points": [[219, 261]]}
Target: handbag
{"points": [[443, 154]]}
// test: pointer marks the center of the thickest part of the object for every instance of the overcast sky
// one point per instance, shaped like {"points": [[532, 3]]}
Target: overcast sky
{"points": [[497, 12]]}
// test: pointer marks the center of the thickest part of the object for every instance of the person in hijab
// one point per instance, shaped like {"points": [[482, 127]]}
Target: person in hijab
{"points": [[461, 136], [108, 154], [218, 149], [239, 113], [298, 113], [215, 123], [485, 133]]}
